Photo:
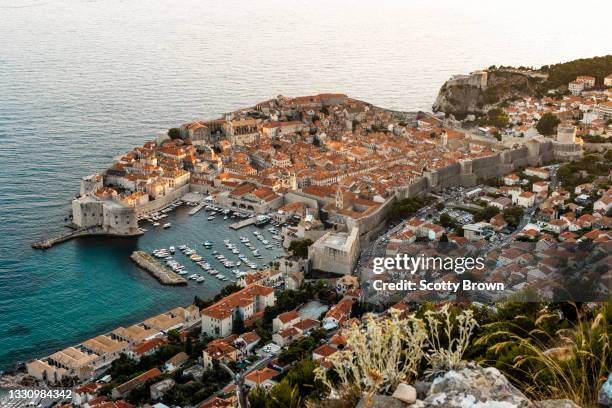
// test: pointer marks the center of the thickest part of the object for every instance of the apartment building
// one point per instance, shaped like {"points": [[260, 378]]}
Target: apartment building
{"points": [[218, 320]]}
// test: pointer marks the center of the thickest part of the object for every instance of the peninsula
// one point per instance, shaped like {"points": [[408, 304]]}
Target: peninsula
{"points": [[523, 182]]}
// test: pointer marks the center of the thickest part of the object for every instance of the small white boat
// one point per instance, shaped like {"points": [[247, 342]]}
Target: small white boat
{"points": [[172, 250], [211, 218], [193, 276], [200, 279], [167, 225], [156, 224]]}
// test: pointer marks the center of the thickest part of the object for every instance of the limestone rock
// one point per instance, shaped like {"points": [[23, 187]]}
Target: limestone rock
{"points": [[406, 393], [475, 386], [380, 401], [422, 388], [472, 94], [605, 394]]}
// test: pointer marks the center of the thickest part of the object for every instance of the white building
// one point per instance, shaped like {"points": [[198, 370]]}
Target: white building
{"points": [[588, 81], [576, 87], [218, 320], [526, 199]]}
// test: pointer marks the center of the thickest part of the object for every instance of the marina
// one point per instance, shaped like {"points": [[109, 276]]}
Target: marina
{"points": [[239, 256], [129, 293]]}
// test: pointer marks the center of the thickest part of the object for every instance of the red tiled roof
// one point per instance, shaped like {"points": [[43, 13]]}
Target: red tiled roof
{"points": [[324, 351], [223, 308], [260, 376], [288, 316]]}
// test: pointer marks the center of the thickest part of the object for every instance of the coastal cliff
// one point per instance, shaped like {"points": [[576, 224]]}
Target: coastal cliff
{"points": [[463, 95]]}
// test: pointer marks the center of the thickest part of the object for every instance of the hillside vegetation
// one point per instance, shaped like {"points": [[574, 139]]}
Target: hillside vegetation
{"points": [[505, 83], [563, 73]]}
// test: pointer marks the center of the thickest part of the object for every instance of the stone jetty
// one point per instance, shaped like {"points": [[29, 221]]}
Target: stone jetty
{"points": [[164, 275]]}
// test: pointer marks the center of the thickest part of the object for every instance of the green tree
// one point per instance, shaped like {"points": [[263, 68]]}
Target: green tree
{"points": [[174, 133], [300, 247], [258, 397], [495, 117], [407, 207], [486, 214], [174, 336], [547, 124], [513, 216], [447, 221], [303, 377], [283, 395], [298, 350]]}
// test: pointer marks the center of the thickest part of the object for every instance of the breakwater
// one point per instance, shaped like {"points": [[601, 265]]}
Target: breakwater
{"points": [[164, 275], [49, 242]]}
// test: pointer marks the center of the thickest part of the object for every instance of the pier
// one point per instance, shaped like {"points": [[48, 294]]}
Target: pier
{"points": [[164, 275], [243, 223], [194, 210], [49, 242]]}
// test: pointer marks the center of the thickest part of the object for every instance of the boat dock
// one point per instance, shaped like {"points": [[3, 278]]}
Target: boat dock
{"points": [[194, 210], [164, 275], [243, 223]]}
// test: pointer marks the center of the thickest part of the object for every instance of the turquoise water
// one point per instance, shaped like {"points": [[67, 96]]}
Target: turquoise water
{"points": [[89, 285], [82, 81]]}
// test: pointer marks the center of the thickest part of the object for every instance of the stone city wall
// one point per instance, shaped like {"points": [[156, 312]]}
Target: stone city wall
{"points": [[299, 196], [161, 202]]}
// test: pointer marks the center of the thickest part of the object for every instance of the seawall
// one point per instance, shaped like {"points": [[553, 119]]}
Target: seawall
{"points": [[164, 275]]}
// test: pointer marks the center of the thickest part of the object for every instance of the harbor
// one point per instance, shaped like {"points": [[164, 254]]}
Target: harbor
{"points": [[127, 293], [233, 258]]}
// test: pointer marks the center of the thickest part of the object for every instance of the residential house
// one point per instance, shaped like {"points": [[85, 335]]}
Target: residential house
{"points": [[176, 362], [286, 336], [261, 378], [526, 199], [285, 320]]}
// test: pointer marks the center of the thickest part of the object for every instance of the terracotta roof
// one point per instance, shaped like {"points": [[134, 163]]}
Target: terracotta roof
{"points": [[223, 308], [260, 376], [307, 324], [288, 316], [324, 351]]}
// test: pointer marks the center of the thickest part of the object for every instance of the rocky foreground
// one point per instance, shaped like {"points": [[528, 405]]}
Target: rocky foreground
{"points": [[472, 386]]}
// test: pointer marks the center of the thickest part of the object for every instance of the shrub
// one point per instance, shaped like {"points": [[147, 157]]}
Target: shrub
{"points": [[547, 124], [382, 353], [570, 363], [449, 337]]}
